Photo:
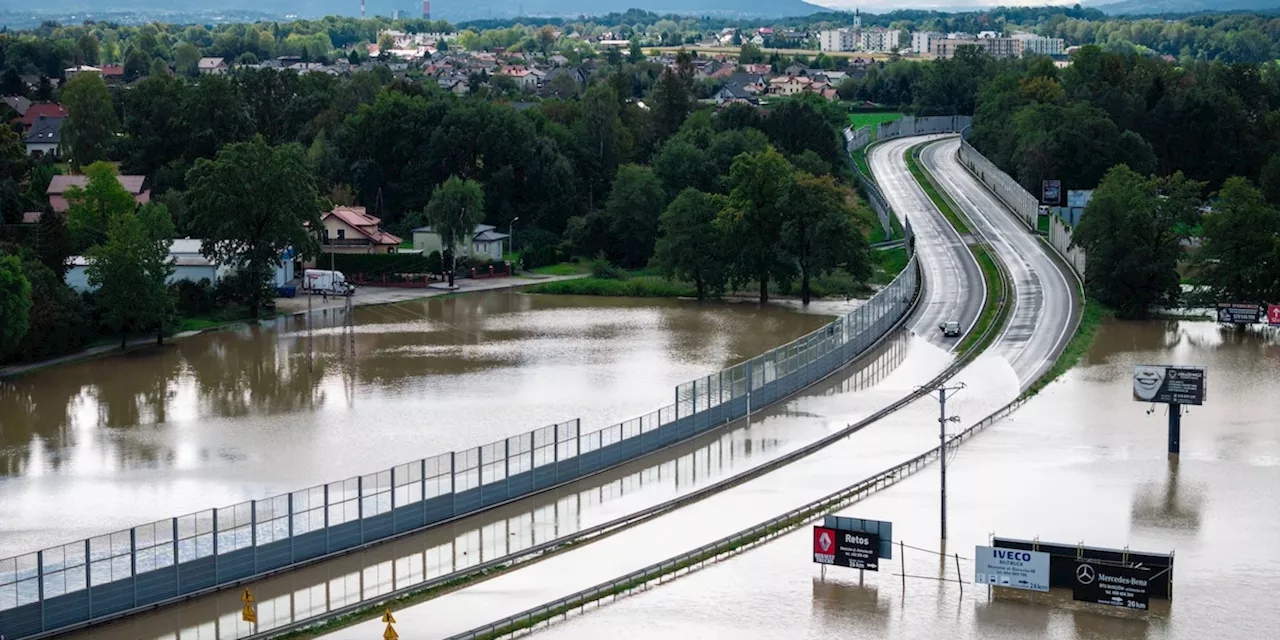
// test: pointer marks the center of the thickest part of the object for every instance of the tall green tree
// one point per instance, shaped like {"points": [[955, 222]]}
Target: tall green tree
{"points": [[690, 246], [1241, 253], [634, 206], [15, 303], [186, 59], [822, 231], [760, 185], [92, 208], [60, 319], [130, 270], [599, 138], [1269, 181], [750, 53], [251, 203], [91, 119], [673, 96], [456, 207], [1131, 234]]}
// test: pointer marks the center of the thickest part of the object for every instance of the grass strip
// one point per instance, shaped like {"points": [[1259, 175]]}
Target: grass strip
{"points": [[993, 312], [637, 287], [1091, 318], [932, 191], [859, 119], [888, 264], [562, 269]]}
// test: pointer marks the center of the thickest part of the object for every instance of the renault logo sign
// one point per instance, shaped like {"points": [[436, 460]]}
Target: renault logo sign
{"points": [[824, 541], [1086, 574]]}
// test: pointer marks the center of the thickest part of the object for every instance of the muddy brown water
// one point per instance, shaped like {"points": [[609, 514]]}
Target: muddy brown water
{"points": [[102, 445], [1082, 462]]}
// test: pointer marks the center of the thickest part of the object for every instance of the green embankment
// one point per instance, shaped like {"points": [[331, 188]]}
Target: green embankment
{"points": [[864, 118], [932, 191], [992, 312]]}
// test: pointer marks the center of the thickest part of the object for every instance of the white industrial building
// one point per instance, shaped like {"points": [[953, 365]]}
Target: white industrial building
{"points": [[188, 264], [836, 40], [1033, 44], [879, 39], [920, 40]]}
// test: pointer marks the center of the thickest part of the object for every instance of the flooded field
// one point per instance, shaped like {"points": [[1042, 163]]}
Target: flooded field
{"points": [[105, 444], [1082, 462]]}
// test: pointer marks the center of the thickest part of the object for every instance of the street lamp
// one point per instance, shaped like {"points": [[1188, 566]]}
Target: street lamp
{"points": [[511, 235]]}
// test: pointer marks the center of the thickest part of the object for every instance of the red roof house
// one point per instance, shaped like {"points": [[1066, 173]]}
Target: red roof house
{"points": [[352, 230], [46, 109]]}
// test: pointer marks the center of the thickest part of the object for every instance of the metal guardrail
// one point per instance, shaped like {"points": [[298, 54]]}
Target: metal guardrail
{"points": [[170, 560], [732, 544], [784, 523]]}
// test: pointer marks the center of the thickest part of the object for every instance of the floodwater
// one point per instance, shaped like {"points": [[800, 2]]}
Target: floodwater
{"points": [[1082, 462], [887, 373], [102, 445]]}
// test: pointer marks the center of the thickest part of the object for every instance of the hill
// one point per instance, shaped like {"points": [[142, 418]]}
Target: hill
{"points": [[1156, 7]]}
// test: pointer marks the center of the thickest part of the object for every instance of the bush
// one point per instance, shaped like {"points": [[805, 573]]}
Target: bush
{"points": [[542, 256], [602, 269], [194, 298], [435, 262], [374, 265]]}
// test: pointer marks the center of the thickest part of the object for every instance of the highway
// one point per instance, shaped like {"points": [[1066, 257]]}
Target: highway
{"points": [[821, 410], [1047, 301], [996, 378], [954, 286]]}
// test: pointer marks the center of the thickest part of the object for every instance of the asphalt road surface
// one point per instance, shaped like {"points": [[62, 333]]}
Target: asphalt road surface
{"points": [[1046, 293], [954, 286]]}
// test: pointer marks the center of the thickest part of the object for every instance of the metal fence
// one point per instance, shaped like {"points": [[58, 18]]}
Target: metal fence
{"points": [[153, 563], [913, 126], [1025, 205]]}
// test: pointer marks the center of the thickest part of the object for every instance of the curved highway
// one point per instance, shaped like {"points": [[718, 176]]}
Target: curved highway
{"points": [[954, 287], [951, 270], [1047, 302]]}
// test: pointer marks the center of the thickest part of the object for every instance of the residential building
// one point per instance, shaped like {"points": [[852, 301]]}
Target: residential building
{"points": [[733, 93], [46, 109], [920, 41], [995, 47], [45, 137], [455, 84], [879, 39], [836, 40], [485, 243], [352, 230], [789, 85], [188, 263], [112, 71], [524, 77], [72, 72], [17, 103], [59, 185], [214, 66], [1033, 44]]}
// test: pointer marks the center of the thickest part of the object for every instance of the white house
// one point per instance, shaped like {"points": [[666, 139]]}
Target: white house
{"points": [[188, 264], [45, 137], [216, 66], [485, 243]]}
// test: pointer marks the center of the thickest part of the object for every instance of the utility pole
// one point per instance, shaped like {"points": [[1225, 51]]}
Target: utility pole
{"points": [[943, 419]]}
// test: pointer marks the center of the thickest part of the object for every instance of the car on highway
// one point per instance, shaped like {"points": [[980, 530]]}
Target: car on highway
{"points": [[950, 328]]}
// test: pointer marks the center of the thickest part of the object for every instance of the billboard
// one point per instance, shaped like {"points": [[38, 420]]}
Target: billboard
{"points": [[1239, 313], [1273, 314], [1051, 192], [1116, 586], [1168, 384], [1079, 198], [882, 529], [854, 549], [1012, 568]]}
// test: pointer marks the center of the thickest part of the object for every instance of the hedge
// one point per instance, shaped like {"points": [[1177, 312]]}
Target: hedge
{"points": [[375, 265]]}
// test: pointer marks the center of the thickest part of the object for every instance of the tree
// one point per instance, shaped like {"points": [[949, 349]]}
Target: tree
{"points": [[634, 207], [750, 53], [130, 270], [634, 54], [15, 303], [91, 119], [562, 86], [55, 243], [92, 208], [87, 49], [251, 203], [822, 231], [760, 184], [456, 207], [673, 96], [1269, 181], [60, 319], [690, 246], [186, 59], [1130, 232], [546, 39], [1241, 254], [599, 131]]}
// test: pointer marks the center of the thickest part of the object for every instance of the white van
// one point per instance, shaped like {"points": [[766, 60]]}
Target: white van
{"points": [[324, 281]]}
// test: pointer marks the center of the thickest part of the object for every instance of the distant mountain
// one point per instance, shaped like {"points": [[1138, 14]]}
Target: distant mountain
{"points": [[454, 10], [1152, 7]]}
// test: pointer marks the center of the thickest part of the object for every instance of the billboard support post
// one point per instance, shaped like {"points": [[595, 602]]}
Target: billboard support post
{"points": [[1175, 428]]}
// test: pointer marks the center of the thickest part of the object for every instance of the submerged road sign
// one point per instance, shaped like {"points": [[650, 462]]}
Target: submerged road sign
{"points": [[1012, 568], [247, 596], [854, 549], [247, 614], [1111, 585], [882, 529], [1169, 384], [388, 618]]}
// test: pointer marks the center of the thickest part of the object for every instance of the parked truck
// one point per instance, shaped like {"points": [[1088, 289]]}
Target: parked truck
{"points": [[327, 282]]}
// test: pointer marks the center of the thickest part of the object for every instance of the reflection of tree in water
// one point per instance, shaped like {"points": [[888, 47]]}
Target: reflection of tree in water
{"points": [[839, 599], [31, 405], [256, 371], [141, 396], [1128, 336]]}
